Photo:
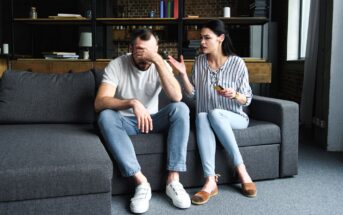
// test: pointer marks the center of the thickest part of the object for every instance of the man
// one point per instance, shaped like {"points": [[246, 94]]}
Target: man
{"points": [[127, 101]]}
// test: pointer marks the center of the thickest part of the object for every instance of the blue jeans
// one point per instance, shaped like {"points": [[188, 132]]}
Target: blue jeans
{"points": [[116, 129], [221, 122]]}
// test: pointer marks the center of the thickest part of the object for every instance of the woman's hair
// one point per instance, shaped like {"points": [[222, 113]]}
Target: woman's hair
{"points": [[218, 27], [143, 34]]}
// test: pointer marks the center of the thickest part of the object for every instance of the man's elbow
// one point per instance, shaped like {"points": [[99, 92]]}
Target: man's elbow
{"points": [[177, 98], [97, 106]]}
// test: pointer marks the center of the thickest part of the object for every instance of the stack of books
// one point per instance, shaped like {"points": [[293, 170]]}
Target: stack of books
{"points": [[259, 8], [60, 55], [194, 44], [67, 16]]}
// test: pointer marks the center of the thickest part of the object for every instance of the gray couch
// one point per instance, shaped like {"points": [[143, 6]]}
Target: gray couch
{"points": [[52, 160], [269, 147]]}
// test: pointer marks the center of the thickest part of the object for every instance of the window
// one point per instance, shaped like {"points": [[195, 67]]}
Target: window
{"points": [[298, 17]]}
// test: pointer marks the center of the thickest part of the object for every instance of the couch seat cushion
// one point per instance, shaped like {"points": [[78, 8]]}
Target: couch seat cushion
{"points": [[157, 143], [51, 160], [258, 133]]}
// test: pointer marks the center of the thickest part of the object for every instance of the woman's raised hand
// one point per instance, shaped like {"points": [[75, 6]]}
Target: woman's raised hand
{"points": [[179, 66]]}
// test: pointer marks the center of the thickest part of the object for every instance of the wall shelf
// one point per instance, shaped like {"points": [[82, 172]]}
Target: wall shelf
{"points": [[137, 21], [231, 20], [49, 21]]}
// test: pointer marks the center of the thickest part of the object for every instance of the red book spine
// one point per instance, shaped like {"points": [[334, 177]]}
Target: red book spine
{"points": [[176, 9]]}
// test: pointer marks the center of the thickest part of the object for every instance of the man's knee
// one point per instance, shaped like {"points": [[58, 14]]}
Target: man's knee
{"points": [[180, 108], [108, 115]]}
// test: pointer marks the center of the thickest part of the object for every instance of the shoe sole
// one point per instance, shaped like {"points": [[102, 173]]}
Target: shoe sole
{"points": [[250, 196], [178, 206], [201, 203]]}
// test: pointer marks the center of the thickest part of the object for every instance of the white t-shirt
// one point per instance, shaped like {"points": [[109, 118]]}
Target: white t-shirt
{"points": [[132, 83]]}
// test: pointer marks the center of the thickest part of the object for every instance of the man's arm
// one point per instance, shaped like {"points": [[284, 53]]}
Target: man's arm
{"points": [[105, 100], [169, 83]]}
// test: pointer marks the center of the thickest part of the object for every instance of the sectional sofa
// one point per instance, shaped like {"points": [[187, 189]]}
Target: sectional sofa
{"points": [[53, 160]]}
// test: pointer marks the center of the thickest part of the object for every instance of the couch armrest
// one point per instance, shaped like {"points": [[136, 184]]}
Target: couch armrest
{"points": [[286, 115]]}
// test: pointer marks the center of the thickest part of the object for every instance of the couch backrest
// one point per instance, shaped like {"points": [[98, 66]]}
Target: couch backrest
{"points": [[28, 97]]}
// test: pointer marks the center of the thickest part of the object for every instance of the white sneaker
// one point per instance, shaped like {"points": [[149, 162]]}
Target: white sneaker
{"points": [[178, 194], [140, 201]]}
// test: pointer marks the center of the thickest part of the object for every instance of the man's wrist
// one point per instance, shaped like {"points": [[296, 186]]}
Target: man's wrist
{"points": [[132, 103]]}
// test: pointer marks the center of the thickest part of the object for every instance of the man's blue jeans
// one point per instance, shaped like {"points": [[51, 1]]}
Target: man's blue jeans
{"points": [[221, 122], [116, 129]]}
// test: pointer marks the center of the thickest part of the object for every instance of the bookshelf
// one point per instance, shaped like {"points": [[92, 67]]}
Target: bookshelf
{"points": [[109, 29]]}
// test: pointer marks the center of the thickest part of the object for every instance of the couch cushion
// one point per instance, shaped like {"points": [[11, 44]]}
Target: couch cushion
{"points": [[27, 97], [41, 161], [258, 133], [157, 143]]}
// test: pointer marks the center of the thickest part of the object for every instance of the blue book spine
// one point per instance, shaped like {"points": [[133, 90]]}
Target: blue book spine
{"points": [[161, 9]]}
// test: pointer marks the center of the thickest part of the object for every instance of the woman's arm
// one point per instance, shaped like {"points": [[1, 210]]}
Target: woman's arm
{"points": [[181, 68]]}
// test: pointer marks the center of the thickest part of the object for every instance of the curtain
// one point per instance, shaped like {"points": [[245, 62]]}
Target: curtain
{"points": [[310, 69]]}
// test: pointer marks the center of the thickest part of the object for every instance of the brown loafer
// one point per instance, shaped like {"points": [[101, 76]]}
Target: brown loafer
{"points": [[249, 189], [202, 197]]}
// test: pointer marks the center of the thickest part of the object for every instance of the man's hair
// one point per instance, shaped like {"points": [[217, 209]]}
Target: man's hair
{"points": [[143, 34]]}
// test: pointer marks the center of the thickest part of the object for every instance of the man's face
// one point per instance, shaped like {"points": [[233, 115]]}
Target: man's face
{"points": [[142, 52]]}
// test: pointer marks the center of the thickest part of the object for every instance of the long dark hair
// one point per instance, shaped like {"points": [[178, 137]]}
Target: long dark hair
{"points": [[218, 27]]}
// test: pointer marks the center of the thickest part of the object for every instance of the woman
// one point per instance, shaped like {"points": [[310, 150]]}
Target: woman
{"points": [[220, 85]]}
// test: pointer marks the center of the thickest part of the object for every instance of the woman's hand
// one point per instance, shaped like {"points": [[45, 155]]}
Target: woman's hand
{"points": [[178, 66], [228, 93]]}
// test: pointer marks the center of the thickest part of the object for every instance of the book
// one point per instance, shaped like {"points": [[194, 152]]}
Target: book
{"points": [[176, 9], [60, 55], [69, 15], [66, 17], [169, 8], [162, 9]]}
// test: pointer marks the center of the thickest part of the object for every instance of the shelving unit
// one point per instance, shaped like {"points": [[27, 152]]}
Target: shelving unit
{"points": [[102, 33]]}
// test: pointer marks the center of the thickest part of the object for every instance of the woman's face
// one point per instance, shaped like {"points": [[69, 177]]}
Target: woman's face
{"points": [[210, 42]]}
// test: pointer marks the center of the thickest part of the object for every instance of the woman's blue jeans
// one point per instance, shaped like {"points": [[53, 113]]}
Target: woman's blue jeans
{"points": [[221, 122], [116, 129]]}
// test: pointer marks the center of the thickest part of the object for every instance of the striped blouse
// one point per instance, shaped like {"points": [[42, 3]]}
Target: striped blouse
{"points": [[233, 74]]}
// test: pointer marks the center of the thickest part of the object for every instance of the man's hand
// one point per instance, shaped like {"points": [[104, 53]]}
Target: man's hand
{"points": [[144, 120], [146, 53]]}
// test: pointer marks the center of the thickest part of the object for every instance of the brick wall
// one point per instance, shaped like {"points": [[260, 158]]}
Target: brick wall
{"points": [[141, 8], [206, 8]]}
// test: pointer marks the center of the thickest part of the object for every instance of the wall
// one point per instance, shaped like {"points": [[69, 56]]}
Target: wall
{"points": [[288, 80], [1, 24], [335, 116]]}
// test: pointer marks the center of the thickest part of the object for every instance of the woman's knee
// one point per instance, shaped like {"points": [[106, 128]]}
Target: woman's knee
{"points": [[214, 114]]}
